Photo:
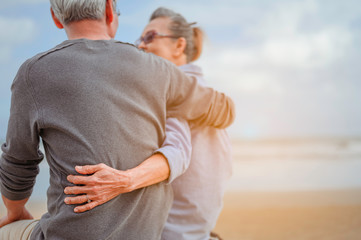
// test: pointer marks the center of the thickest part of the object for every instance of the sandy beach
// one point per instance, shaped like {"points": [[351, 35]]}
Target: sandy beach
{"points": [[328, 215]]}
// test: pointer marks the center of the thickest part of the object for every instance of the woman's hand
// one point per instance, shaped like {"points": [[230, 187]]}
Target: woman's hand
{"points": [[103, 184]]}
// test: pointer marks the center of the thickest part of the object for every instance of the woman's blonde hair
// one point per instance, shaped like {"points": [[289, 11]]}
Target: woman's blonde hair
{"points": [[181, 28]]}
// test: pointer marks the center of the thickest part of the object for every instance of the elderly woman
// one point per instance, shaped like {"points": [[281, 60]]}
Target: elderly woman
{"points": [[199, 191]]}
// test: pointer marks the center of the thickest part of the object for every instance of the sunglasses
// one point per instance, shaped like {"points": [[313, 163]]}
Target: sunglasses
{"points": [[150, 36]]}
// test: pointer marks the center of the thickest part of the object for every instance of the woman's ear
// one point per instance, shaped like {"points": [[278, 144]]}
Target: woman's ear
{"points": [[56, 20], [180, 46]]}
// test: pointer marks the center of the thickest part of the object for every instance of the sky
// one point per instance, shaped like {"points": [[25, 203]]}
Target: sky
{"points": [[291, 66]]}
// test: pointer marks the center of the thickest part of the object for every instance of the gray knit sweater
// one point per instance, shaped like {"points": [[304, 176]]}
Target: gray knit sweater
{"points": [[98, 101]]}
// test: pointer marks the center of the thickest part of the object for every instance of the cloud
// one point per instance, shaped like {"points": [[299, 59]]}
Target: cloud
{"points": [[307, 50], [16, 32], [286, 44], [276, 44]]}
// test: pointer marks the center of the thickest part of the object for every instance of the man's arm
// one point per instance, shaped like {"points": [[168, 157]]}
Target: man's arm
{"points": [[200, 105], [105, 183], [15, 211], [21, 155]]}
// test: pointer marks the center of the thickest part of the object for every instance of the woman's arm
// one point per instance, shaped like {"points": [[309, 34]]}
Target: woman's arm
{"points": [[177, 147], [104, 183]]}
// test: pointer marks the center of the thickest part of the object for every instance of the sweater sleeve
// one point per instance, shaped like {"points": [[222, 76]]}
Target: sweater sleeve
{"points": [[200, 105], [21, 155], [177, 147]]}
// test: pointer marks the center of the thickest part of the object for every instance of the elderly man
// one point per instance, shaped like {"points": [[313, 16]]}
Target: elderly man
{"points": [[92, 99]]}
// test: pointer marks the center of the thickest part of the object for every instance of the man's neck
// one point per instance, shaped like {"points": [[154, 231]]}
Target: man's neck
{"points": [[89, 29]]}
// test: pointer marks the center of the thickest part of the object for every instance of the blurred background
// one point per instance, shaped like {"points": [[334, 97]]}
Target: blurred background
{"points": [[291, 68]]}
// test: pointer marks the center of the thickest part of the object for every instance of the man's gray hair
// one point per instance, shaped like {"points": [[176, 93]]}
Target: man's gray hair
{"points": [[76, 10]]}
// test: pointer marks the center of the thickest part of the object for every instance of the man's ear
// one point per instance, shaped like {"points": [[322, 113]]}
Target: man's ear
{"points": [[109, 11], [180, 46], [56, 20]]}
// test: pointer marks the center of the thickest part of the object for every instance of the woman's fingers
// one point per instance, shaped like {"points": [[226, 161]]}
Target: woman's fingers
{"points": [[84, 180], [89, 204], [86, 207], [76, 190], [86, 170], [89, 169], [76, 200]]}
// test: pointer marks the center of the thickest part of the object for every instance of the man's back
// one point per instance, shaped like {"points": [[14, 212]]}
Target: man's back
{"points": [[102, 96], [97, 101]]}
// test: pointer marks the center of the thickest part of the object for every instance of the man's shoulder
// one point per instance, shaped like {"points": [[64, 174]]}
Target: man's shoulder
{"points": [[126, 44], [30, 61], [69, 43]]}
